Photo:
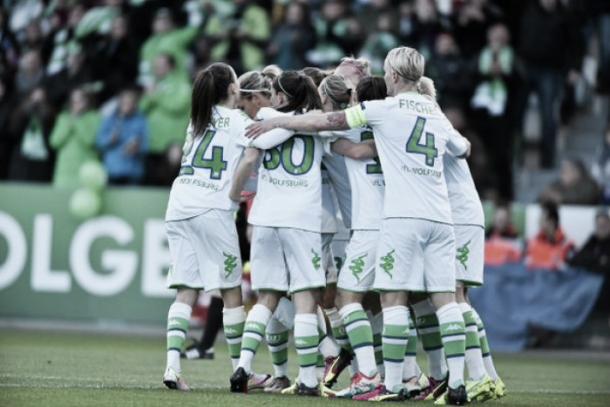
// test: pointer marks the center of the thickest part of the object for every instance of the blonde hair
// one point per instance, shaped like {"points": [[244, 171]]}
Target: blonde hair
{"points": [[407, 62], [272, 71], [359, 68], [425, 86], [253, 82], [335, 88]]}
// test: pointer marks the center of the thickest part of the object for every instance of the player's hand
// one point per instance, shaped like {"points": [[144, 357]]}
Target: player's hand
{"points": [[257, 128]]}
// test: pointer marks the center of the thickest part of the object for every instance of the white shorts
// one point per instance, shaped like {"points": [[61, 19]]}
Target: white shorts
{"points": [[328, 258], [358, 271], [469, 254], [415, 255], [204, 252], [285, 259]]}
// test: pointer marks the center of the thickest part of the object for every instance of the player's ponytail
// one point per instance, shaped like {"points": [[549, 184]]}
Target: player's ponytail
{"points": [[425, 86], [300, 92], [334, 87], [211, 87]]}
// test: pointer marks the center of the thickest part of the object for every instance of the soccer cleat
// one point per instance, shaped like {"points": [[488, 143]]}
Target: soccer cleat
{"points": [[412, 388], [277, 384], [194, 352], [499, 388], [303, 390], [258, 381], [380, 393], [360, 384], [334, 367], [291, 389], [239, 381], [433, 391], [453, 397], [173, 381], [481, 390]]}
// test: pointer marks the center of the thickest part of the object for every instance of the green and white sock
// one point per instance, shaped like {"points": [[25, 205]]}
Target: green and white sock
{"points": [[474, 357], [411, 368], [428, 330], [360, 336], [233, 320], [394, 340], [306, 339], [453, 334], [254, 332], [377, 327], [338, 330], [328, 347], [178, 318], [277, 342], [486, 352]]}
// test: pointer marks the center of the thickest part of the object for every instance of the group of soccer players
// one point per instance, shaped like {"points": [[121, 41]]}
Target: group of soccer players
{"points": [[366, 167]]}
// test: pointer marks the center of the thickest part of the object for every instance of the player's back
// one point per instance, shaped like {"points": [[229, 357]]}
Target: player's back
{"points": [[208, 163], [411, 134], [289, 188]]}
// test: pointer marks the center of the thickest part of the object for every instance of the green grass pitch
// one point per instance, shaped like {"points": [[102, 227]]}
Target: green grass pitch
{"points": [[39, 368]]}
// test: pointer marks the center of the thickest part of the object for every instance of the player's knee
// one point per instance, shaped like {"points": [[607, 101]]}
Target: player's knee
{"points": [[187, 296], [232, 297]]}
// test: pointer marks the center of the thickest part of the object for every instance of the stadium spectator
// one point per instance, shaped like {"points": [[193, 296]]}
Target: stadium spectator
{"points": [[294, 38], [9, 50], [117, 49], [73, 138], [550, 248], [575, 186], [31, 124], [331, 27], [427, 26], [166, 104], [380, 42], [471, 23], [595, 254], [76, 74], [547, 50], [601, 168], [166, 39], [30, 73], [450, 72], [123, 140], [62, 37], [242, 36], [502, 243], [490, 101]]}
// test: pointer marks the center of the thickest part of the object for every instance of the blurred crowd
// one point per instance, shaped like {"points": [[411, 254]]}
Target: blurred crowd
{"points": [[109, 80]]}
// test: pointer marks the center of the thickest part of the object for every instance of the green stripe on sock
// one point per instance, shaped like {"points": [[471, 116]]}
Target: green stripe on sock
{"points": [[256, 327], [320, 361], [176, 324], [431, 340], [341, 337], [175, 342], [179, 324], [360, 336], [378, 345], [472, 336], [306, 343], [412, 343], [451, 330], [354, 316], [391, 351], [234, 332]]}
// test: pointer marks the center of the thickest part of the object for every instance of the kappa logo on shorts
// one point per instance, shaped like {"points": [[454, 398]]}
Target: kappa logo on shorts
{"points": [[357, 266], [315, 259], [462, 254], [387, 262], [230, 263]]}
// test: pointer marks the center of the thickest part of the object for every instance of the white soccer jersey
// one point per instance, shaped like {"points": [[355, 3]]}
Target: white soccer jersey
{"points": [[208, 164], [466, 207], [289, 190], [411, 135], [367, 184]]}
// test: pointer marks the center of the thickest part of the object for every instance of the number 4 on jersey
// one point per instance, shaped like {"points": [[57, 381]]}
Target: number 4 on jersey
{"points": [[428, 149], [216, 164]]}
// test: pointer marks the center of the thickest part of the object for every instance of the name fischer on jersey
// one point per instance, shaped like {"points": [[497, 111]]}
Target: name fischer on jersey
{"points": [[418, 107], [428, 172]]}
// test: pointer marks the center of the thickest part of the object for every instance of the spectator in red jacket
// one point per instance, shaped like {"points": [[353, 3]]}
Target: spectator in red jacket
{"points": [[502, 243], [550, 248]]}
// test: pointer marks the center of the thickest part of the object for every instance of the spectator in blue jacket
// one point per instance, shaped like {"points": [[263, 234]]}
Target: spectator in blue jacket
{"points": [[123, 140]]}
